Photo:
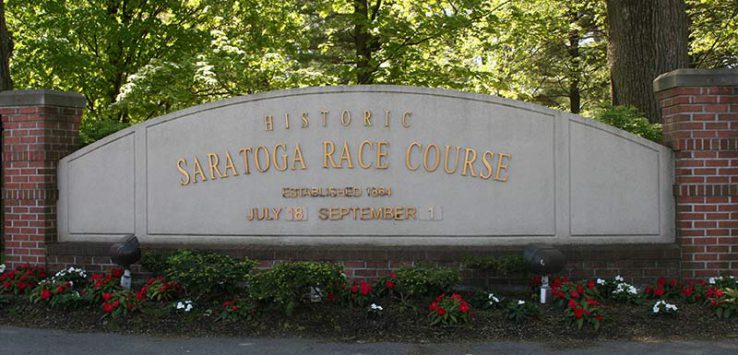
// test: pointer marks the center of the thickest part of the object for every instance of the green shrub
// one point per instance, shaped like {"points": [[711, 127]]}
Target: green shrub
{"points": [[155, 262], [503, 265], [207, 274], [629, 119], [422, 282], [286, 285]]}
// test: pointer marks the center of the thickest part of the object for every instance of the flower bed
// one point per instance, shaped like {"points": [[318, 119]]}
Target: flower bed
{"points": [[413, 304]]}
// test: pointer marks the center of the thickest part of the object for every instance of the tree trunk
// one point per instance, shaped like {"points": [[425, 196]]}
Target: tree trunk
{"points": [[6, 50], [362, 37], [647, 38], [575, 97]]}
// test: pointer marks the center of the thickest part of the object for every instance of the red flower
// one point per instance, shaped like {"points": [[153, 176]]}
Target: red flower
{"points": [[580, 289], [661, 282], [687, 291], [392, 275], [45, 294], [592, 301], [354, 288], [647, 290], [6, 285], [389, 285], [598, 317], [116, 272], [719, 293], [60, 289], [590, 284], [141, 294], [673, 283], [107, 308], [107, 296], [433, 306], [456, 296], [116, 304], [441, 311], [234, 308], [464, 307], [22, 285], [658, 292], [366, 288], [578, 312], [574, 294], [572, 304]]}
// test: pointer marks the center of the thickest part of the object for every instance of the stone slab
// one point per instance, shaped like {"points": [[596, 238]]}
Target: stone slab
{"points": [[562, 179], [43, 97]]}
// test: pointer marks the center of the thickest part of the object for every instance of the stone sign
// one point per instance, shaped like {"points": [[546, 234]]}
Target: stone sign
{"points": [[382, 165]]}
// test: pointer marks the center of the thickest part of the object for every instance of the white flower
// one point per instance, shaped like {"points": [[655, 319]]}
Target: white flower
{"points": [[521, 302], [376, 307], [711, 281], [619, 278], [625, 288], [600, 281], [2, 268], [671, 307], [186, 305], [493, 299]]}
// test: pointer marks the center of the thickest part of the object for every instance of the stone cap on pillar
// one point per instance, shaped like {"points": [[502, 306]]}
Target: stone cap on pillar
{"points": [[44, 97], [696, 78]]}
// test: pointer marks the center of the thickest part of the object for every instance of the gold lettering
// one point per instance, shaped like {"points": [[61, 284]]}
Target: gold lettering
{"points": [[324, 116], [408, 152], [328, 154], [269, 123], [487, 164], [405, 117], [258, 161], [286, 121], [386, 118], [381, 153], [468, 163], [345, 118], [412, 213], [305, 120], [213, 162], [501, 166], [456, 165], [437, 154], [323, 214], [298, 158], [345, 155], [183, 170], [245, 152], [284, 157], [367, 118], [198, 171], [229, 165], [361, 155]]}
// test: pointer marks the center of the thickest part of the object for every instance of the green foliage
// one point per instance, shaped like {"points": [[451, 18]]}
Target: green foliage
{"points": [[286, 285], [714, 33], [520, 311], [155, 262], [419, 282], [629, 119], [503, 265], [207, 274], [93, 128]]}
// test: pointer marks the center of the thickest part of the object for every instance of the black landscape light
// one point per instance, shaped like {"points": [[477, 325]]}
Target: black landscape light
{"points": [[125, 253], [544, 260]]}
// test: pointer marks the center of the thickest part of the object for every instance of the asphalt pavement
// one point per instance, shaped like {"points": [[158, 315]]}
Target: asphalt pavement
{"points": [[45, 342]]}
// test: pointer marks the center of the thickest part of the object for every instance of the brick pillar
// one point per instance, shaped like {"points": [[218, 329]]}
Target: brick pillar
{"points": [[699, 109], [39, 127]]}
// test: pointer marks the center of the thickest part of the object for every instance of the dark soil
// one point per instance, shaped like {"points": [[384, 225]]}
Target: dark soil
{"points": [[397, 324]]}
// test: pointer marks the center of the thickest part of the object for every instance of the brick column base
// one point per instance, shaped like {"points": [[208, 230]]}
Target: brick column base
{"points": [[699, 109], [39, 127]]}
